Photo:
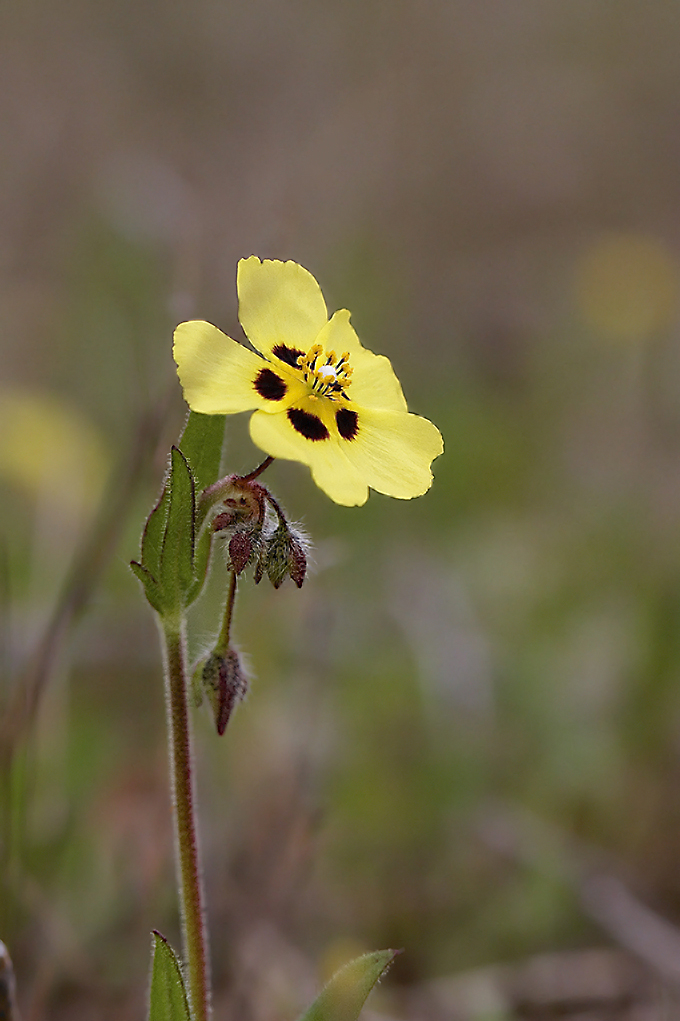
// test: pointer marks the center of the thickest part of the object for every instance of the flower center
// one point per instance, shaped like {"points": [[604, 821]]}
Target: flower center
{"points": [[326, 375]]}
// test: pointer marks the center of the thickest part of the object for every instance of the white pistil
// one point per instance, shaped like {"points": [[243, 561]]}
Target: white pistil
{"points": [[327, 380]]}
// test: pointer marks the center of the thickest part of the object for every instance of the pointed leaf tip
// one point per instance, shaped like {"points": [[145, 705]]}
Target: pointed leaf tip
{"points": [[152, 589], [342, 998], [168, 998]]}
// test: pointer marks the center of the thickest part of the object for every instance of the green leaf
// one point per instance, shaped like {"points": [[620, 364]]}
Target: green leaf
{"points": [[173, 567], [344, 996], [177, 555], [152, 589], [168, 998], [201, 444], [201, 558], [154, 532]]}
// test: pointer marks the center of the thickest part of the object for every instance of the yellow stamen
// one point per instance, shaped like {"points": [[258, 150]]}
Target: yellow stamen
{"points": [[329, 378]]}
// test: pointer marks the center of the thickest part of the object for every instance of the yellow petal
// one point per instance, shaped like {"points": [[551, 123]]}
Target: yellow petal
{"points": [[279, 303], [331, 470], [216, 373], [393, 451], [374, 384]]}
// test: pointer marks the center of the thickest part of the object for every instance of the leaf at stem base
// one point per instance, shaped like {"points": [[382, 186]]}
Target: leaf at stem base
{"points": [[168, 998]]}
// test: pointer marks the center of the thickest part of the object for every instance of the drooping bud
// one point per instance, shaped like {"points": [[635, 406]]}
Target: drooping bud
{"points": [[297, 559], [277, 556], [241, 522], [260, 563], [225, 684], [285, 554], [245, 525], [240, 550], [223, 521], [242, 500]]}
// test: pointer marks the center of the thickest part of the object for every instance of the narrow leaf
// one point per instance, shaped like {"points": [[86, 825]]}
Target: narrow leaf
{"points": [[154, 530], [201, 444], [344, 996], [201, 558], [168, 998], [152, 590], [177, 556]]}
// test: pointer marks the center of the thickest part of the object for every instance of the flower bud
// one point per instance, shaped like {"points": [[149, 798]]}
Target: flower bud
{"points": [[240, 550], [225, 684], [286, 555], [243, 500], [297, 558]]}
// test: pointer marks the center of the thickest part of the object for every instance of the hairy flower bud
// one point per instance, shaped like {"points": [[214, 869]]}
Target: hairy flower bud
{"points": [[242, 500], [285, 554], [240, 550], [256, 532], [225, 684], [297, 558]]}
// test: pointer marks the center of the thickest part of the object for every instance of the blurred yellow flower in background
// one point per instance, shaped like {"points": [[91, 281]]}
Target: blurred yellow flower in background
{"points": [[628, 286], [51, 452], [342, 414]]}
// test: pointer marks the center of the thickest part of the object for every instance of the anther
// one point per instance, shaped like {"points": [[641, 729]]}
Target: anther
{"points": [[324, 373]]}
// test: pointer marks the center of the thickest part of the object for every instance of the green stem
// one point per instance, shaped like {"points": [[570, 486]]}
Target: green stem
{"points": [[257, 471], [222, 644], [194, 930]]}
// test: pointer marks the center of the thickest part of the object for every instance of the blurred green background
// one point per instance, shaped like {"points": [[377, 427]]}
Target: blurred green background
{"points": [[492, 189]]}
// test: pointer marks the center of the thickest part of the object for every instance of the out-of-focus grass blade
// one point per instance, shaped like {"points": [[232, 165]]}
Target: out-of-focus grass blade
{"points": [[344, 996]]}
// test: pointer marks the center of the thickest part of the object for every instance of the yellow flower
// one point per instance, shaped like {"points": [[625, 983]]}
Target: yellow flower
{"points": [[342, 414]]}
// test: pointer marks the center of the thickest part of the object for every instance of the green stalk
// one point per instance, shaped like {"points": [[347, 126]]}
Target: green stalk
{"points": [[190, 886], [222, 644]]}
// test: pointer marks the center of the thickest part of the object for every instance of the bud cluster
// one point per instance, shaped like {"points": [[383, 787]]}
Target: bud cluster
{"points": [[258, 535]]}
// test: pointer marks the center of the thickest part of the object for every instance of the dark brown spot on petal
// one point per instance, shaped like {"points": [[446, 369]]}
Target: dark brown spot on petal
{"points": [[309, 426], [347, 422], [270, 386], [289, 355]]}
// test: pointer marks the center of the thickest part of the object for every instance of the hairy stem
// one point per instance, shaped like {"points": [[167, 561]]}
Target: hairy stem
{"points": [[194, 930], [222, 644], [257, 471]]}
